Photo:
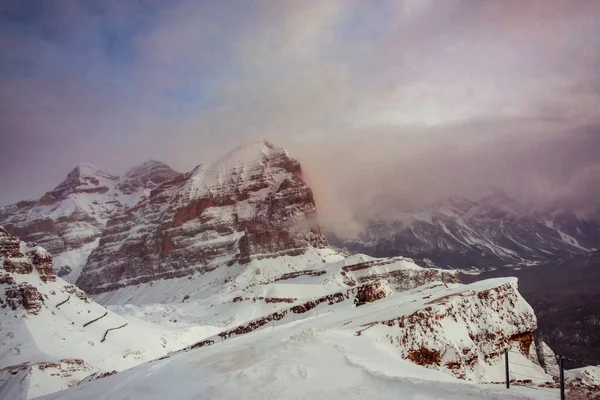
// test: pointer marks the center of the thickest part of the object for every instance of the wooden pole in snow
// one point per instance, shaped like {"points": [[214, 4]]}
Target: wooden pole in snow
{"points": [[561, 361], [506, 367]]}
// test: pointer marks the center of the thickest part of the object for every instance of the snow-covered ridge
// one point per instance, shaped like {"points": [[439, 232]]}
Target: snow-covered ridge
{"points": [[490, 232], [53, 335], [335, 350], [462, 330]]}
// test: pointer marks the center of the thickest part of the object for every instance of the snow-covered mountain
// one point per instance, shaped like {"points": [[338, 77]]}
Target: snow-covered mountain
{"points": [[69, 220], [107, 232], [249, 204], [52, 334], [221, 275], [490, 232]]}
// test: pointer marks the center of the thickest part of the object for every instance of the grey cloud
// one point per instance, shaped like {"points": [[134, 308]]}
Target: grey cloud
{"points": [[387, 104]]}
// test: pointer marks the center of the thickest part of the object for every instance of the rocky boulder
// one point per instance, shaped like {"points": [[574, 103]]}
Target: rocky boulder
{"points": [[26, 296]]}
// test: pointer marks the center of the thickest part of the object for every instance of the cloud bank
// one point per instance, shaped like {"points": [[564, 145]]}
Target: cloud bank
{"points": [[387, 104]]}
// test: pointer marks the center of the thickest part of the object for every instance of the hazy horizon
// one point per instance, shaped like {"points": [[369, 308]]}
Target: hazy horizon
{"points": [[386, 104]]}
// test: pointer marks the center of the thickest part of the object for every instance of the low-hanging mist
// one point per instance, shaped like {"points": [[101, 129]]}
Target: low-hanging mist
{"points": [[379, 176]]}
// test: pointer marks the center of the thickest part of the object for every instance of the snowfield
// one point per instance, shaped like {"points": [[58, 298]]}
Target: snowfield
{"points": [[316, 357]]}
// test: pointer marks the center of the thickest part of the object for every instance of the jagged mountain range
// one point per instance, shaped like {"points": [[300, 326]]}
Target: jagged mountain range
{"points": [[106, 232], [69, 220], [491, 232]]}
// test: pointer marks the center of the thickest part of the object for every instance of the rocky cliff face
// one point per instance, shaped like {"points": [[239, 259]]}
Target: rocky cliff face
{"points": [[464, 330], [491, 232], [249, 204], [68, 220], [18, 258]]}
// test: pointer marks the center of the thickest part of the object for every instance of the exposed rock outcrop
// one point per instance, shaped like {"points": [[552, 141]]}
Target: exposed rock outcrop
{"points": [[374, 291], [485, 322], [547, 359], [26, 296], [42, 261]]}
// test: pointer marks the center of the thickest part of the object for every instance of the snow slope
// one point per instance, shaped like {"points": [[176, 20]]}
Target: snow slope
{"points": [[322, 356], [47, 340]]}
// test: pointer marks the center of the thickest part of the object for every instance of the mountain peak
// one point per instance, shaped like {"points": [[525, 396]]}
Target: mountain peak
{"points": [[86, 168], [148, 174], [89, 170], [84, 177], [256, 152], [145, 168], [252, 150]]}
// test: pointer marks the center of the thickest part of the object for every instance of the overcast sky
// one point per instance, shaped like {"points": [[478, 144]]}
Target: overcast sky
{"points": [[385, 103]]}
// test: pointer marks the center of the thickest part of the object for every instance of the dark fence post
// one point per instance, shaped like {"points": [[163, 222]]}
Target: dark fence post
{"points": [[506, 366], [561, 362]]}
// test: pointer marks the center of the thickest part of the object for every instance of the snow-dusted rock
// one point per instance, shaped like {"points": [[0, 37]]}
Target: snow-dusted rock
{"points": [[586, 376], [463, 331], [583, 383], [249, 204], [68, 220], [547, 359]]}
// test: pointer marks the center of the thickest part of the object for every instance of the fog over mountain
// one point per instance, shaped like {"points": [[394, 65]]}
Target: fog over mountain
{"points": [[383, 177], [388, 105]]}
